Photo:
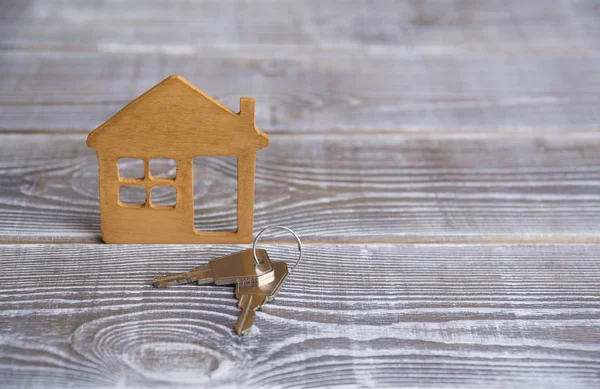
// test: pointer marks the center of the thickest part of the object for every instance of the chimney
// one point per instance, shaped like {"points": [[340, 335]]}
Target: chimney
{"points": [[247, 107]]}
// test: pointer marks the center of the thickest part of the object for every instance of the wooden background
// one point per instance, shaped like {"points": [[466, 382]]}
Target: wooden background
{"points": [[440, 159]]}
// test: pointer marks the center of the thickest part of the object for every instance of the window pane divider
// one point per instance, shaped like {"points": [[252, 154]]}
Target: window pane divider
{"points": [[148, 182], [131, 181]]}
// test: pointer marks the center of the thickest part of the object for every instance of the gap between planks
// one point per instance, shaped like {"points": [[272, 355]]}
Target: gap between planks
{"points": [[296, 51], [414, 133], [478, 240]]}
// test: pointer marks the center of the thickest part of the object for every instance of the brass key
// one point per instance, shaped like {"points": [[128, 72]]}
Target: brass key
{"points": [[231, 269], [253, 297]]}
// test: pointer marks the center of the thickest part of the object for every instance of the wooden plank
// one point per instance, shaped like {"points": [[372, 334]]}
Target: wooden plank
{"points": [[363, 188], [401, 65], [416, 315], [175, 27], [52, 91]]}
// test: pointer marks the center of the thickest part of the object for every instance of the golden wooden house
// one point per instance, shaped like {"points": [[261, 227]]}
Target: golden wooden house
{"points": [[173, 120]]}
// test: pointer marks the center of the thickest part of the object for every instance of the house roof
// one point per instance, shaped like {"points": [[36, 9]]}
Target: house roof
{"points": [[176, 112]]}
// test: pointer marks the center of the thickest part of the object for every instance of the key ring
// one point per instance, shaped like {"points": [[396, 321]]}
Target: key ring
{"points": [[257, 261]]}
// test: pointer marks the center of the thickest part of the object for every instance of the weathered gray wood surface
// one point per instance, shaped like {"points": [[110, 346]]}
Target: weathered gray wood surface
{"points": [[184, 26], [342, 66], [317, 93], [353, 315], [376, 188], [442, 122]]}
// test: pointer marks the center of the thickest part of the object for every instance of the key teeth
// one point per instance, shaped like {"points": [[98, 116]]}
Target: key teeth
{"points": [[246, 316]]}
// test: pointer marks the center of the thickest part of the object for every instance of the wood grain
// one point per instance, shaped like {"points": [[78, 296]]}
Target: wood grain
{"points": [[184, 26], [416, 315], [320, 92], [445, 121], [366, 188], [402, 65]]}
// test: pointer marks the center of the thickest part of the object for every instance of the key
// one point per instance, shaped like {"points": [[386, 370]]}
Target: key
{"points": [[253, 297], [231, 269]]}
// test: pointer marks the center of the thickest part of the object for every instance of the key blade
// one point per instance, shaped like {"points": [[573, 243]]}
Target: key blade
{"points": [[252, 297], [249, 304], [201, 275]]}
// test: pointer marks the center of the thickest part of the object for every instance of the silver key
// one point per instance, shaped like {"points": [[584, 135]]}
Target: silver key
{"points": [[253, 297], [231, 269]]}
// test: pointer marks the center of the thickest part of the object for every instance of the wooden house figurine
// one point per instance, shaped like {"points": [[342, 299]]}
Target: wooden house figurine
{"points": [[178, 121]]}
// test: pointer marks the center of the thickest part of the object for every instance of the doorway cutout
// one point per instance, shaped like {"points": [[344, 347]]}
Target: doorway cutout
{"points": [[215, 194]]}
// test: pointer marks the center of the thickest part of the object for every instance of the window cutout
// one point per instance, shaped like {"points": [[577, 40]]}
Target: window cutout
{"points": [[164, 196], [215, 194], [131, 168], [163, 168], [132, 195]]}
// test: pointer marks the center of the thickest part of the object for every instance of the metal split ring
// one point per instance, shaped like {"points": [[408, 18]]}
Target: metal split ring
{"points": [[257, 261]]}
